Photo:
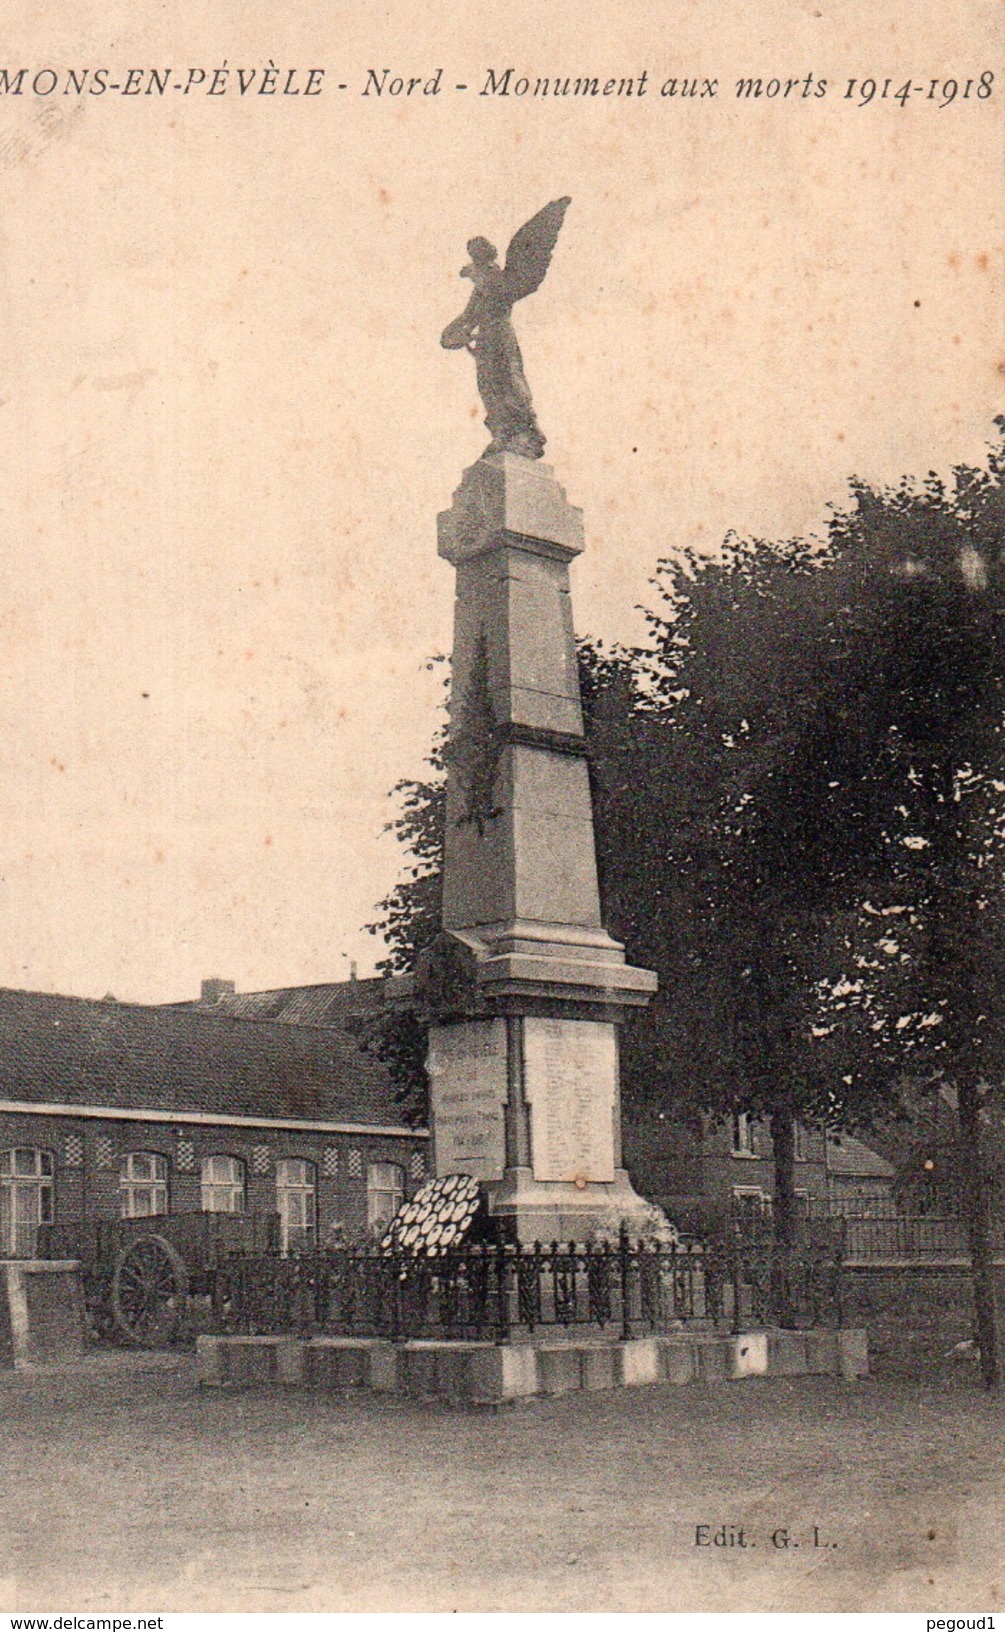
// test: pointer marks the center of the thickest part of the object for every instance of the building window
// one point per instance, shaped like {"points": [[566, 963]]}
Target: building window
{"points": [[751, 1204], [743, 1136], [296, 1187], [26, 1200], [222, 1184], [143, 1185], [385, 1192]]}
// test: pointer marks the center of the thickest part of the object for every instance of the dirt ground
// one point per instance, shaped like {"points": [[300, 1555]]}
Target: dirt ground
{"points": [[126, 1488]]}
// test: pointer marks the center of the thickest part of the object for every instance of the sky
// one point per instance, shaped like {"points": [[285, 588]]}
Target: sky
{"points": [[228, 425]]}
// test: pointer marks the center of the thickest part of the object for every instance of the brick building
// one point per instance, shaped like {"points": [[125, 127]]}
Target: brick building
{"points": [[705, 1168], [702, 1168], [113, 1109]]}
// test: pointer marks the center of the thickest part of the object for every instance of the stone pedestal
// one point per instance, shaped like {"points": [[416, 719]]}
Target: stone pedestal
{"points": [[527, 989], [42, 1316]]}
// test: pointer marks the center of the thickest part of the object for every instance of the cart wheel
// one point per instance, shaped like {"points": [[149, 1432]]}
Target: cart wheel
{"points": [[149, 1292]]}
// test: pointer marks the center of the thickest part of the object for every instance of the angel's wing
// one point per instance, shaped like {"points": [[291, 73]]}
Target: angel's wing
{"points": [[529, 253]]}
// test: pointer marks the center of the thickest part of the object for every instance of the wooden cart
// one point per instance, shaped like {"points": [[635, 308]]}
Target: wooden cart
{"points": [[144, 1278]]}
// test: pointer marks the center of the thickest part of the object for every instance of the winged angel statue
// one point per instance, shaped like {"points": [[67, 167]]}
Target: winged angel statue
{"points": [[485, 328]]}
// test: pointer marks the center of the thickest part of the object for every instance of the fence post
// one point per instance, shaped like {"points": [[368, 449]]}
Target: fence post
{"points": [[624, 1255], [396, 1280], [500, 1254], [736, 1267]]}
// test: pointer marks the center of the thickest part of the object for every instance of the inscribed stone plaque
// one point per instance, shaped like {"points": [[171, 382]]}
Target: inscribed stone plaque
{"points": [[570, 1070], [467, 1076]]}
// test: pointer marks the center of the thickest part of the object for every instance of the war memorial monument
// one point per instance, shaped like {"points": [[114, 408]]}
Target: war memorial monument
{"points": [[571, 1279], [524, 990]]}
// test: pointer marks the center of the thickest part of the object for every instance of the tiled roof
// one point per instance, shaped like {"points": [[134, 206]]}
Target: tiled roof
{"points": [[329, 1004], [72, 1050], [849, 1158]]}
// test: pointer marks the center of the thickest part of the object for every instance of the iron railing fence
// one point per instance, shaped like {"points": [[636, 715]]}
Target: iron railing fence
{"points": [[500, 1292], [909, 1237]]}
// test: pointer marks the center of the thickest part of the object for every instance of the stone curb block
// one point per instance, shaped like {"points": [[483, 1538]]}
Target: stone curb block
{"points": [[787, 1354], [597, 1368], [558, 1370], [518, 1371], [853, 1353], [209, 1361], [487, 1374], [640, 1362], [383, 1371], [334, 1363], [710, 1358], [821, 1353], [678, 1361], [747, 1355]]}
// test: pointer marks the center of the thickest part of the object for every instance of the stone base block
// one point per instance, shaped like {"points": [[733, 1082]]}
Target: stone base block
{"points": [[852, 1352], [247, 1362], [489, 1374], [640, 1362], [558, 1369], [747, 1356], [821, 1351], [210, 1361], [449, 1371], [678, 1361], [787, 1355], [598, 1367], [384, 1372], [517, 1371], [42, 1315], [533, 1210], [710, 1359], [335, 1363]]}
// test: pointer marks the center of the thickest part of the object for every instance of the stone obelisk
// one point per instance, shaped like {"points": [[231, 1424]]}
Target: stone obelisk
{"points": [[525, 990]]}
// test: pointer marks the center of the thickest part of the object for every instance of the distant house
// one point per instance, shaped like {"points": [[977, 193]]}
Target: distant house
{"points": [[701, 1168], [929, 1160], [114, 1109], [859, 1180]]}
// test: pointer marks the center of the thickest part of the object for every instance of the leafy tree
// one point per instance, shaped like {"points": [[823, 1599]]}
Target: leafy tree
{"points": [[827, 914], [412, 912], [934, 695], [410, 919]]}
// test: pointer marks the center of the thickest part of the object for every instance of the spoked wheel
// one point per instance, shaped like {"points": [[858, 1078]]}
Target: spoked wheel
{"points": [[149, 1292]]}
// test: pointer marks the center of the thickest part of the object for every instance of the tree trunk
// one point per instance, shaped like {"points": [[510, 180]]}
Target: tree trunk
{"points": [[977, 1212], [784, 1143]]}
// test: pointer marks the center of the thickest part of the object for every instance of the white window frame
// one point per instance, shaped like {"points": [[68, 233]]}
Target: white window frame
{"points": [[303, 1190], [380, 1196], [753, 1192], [742, 1137], [224, 1189], [27, 1198], [132, 1185]]}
